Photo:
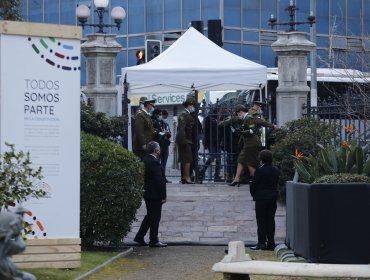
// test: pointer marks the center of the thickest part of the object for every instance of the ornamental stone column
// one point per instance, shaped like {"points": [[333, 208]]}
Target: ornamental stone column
{"points": [[100, 51], [292, 49]]}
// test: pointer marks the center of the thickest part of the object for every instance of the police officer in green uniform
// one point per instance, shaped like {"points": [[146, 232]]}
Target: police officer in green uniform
{"points": [[144, 131], [184, 138], [250, 137]]}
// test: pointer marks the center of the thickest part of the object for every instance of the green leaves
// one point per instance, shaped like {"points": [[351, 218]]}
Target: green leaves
{"points": [[19, 181], [346, 159], [111, 190]]}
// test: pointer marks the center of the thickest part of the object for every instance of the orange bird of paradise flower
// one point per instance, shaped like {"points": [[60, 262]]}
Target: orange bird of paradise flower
{"points": [[349, 128], [299, 155], [345, 144]]}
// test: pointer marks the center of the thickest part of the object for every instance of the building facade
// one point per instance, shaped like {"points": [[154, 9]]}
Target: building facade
{"points": [[343, 26], [343, 29]]}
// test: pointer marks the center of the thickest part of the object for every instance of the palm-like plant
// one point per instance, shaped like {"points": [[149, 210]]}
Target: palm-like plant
{"points": [[349, 158]]}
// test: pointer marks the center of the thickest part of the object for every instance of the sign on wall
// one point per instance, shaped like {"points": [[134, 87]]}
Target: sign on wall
{"points": [[40, 113]]}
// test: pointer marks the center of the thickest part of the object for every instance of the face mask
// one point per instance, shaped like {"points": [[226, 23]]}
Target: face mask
{"points": [[141, 106], [151, 110], [160, 118], [192, 110]]}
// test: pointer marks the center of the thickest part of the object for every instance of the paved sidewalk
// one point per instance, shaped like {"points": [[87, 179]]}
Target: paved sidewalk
{"points": [[209, 213]]}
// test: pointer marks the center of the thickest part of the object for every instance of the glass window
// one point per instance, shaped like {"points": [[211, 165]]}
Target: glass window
{"points": [[232, 35], [122, 41], [172, 11], [251, 36], [251, 13], [234, 48], [354, 17], [268, 7], [135, 17], [322, 41], [232, 15], [322, 58], [137, 41], [366, 24], [322, 17], [51, 11], [251, 52], [68, 12], [191, 11], [337, 17], [210, 10], [35, 11], [24, 10], [302, 14], [154, 15], [268, 56]]}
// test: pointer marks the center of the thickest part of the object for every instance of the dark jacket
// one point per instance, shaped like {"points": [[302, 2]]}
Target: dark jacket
{"points": [[264, 184], [211, 134], [154, 179]]}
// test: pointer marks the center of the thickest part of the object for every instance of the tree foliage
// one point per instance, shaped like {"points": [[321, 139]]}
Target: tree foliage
{"points": [[19, 181], [10, 10], [99, 124]]}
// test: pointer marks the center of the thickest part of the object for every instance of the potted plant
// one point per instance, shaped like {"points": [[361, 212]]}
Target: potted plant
{"points": [[329, 209]]}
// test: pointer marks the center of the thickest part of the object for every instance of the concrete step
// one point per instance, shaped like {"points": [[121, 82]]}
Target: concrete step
{"points": [[210, 213]]}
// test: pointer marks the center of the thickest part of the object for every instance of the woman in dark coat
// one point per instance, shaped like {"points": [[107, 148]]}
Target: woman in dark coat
{"points": [[184, 139], [264, 192]]}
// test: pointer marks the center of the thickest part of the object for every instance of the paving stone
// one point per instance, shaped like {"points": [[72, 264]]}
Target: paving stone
{"points": [[208, 213]]}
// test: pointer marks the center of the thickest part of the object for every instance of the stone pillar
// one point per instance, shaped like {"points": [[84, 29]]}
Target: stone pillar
{"points": [[292, 49], [100, 51]]}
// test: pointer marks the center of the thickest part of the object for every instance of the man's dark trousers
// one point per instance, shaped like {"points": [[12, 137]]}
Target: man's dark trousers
{"points": [[151, 220], [265, 215]]}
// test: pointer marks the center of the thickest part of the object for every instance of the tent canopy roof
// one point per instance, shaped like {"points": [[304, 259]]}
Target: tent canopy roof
{"points": [[195, 60]]}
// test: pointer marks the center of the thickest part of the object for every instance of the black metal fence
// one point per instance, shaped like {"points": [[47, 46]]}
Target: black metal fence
{"points": [[352, 120]]}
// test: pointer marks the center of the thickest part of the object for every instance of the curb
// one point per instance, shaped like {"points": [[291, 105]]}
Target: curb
{"points": [[102, 266]]}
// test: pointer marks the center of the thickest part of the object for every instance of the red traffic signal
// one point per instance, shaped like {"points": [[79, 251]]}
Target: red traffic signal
{"points": [[140, 56]]}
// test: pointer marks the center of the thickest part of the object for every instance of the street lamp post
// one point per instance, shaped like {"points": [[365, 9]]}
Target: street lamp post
{"points": [[292, 48], [117, 13], [292, 8], [100, 50]]}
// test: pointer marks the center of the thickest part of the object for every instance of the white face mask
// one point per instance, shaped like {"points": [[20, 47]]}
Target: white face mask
{"points": [[160, 118], [192, 109], [141, 106]]}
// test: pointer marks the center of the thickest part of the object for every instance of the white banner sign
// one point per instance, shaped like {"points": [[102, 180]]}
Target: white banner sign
{"points": [[40, 113]]}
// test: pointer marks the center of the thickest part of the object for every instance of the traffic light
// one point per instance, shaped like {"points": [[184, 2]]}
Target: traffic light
{"points": [[140, 56], [153, 48]]}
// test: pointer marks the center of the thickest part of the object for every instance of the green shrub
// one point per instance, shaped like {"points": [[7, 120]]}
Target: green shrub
{"points": [[343, 178], [348, 158], [301, 135], [111, 190], [99, 124]]}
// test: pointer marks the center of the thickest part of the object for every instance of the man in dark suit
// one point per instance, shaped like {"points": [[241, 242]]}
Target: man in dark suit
{"points": [[264, 192], [154, 196]]}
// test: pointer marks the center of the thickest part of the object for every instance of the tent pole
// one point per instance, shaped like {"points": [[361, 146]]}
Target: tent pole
{"points": [[196, 134], [127, 111]]}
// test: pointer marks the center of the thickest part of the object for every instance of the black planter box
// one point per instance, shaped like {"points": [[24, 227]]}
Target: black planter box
{"points": [[329, 223]]}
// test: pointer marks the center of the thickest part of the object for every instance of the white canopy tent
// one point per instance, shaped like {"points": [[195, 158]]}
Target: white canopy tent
{"points": [[194, 60]]}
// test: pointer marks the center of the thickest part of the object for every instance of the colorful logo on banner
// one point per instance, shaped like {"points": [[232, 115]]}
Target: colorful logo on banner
{"points": [[56, 53], [33, 227]]}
